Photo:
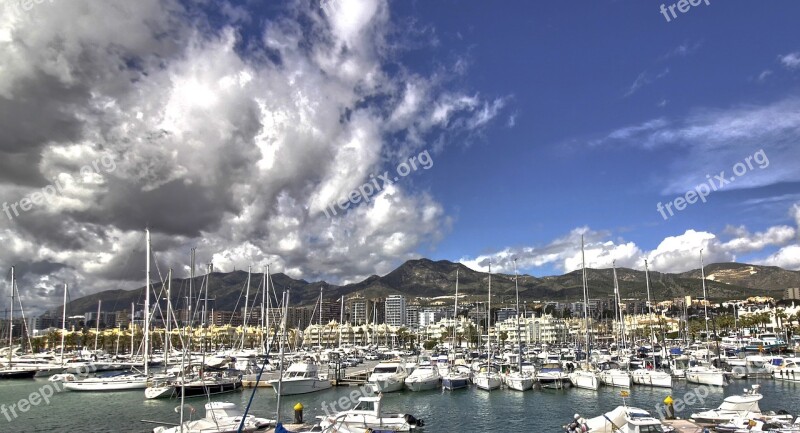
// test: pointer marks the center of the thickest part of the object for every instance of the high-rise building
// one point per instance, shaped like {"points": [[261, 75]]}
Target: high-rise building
{"points": [[396, 310], [357, 310], [412, 315], [793, 293]]}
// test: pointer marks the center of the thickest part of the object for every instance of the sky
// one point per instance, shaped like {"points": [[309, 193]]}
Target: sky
{"points": [[336, 140]]}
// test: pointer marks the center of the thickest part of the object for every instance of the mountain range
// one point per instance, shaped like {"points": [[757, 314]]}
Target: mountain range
{"points": [[423, 278]]}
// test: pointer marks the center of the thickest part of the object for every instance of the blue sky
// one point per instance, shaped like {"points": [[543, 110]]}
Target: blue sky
{"points": [[238, 127], [573, 75]]}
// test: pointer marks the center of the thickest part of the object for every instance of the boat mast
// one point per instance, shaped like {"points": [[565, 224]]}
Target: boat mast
{"points": [[244, 315], [97, 325], [455, 322], [519, 337], [705, 297], [489, 319], [650, 312], [147, 304], [283, 336], [341, 324], [11, 320], [617, 310], [585, 302], [265, 309], [168, 336], [64, 324]]}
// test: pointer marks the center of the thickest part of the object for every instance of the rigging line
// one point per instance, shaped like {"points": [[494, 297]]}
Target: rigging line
{"points": [[24, 321], [236, 307]]}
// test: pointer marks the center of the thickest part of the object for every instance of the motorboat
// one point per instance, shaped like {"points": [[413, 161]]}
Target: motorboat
{"points": [[220, 417], [640, 421], [705, 375], [551, 375], [757, 424], [301, 378], [611, 375], [388, 376], [368, 416], [110, 382], [519, 380], [457, 377], [605, 423], [488, 377], [743, 405], [655, 378], [790, 370], [424, 377], [584, 379]]}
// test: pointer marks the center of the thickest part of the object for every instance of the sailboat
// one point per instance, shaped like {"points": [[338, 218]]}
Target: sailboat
{"points": [[585, 378], [488, 377], [10, 372], [124, 381], [456, 376], [645, 376], [518, 379], [705, 374]]}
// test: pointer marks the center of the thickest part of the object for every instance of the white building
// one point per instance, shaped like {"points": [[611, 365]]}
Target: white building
{"points": [[396, 310]]}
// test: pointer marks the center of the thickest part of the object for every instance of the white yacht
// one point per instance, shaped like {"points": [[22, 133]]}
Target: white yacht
{"points": [[790, 370], [519, 380], [640, 421], [389, 376], [551, 375], [705, 375], [584, 379], [220, 417], [114, 382], [424, 377], [301, 378], [367, 416], [487, 378], [744, 405], [655, 378], [611, 375]]}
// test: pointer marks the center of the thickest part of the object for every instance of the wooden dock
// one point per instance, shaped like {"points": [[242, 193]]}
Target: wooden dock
{"points": [[684, 426]]}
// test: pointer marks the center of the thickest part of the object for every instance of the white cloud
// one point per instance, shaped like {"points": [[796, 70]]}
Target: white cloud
{"points": [[791, 60], [230, 144]]}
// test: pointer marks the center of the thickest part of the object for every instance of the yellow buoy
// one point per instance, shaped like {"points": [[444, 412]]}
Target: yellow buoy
{"points": [[298, 406], [668, 400]]}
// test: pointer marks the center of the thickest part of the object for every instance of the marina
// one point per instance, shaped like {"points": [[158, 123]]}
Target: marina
{"points": [[465, 410]]}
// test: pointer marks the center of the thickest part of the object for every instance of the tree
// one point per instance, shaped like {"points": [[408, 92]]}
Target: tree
{"points": [[503, 336], [430, 344]]}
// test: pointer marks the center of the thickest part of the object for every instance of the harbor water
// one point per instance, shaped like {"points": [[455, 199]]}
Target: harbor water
{"points": [[465, 410]]}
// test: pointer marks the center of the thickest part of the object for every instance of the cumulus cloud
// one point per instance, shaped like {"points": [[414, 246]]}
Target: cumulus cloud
{"points": [[675, 254], [230, 136]]}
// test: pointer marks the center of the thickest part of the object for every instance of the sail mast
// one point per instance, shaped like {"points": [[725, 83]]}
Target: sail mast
{"points": [[147, 304], [244, 314], [519, 339], [455, 323], [489, 319], [650, 312], [64, 324], [11, 320], [585, 301]]}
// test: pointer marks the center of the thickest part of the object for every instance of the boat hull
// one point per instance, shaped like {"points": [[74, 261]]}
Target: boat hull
{"points": [[295, 387], [99, 386], [714, 378], [451, 383], [619, 379], [487, 382], [423, 385], [584, 380], [652, 378]]}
